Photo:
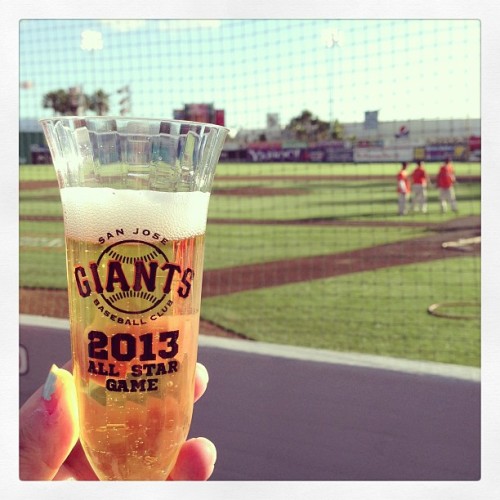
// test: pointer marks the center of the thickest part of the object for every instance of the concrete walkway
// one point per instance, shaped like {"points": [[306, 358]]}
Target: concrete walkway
{"points": [[285, 413]]}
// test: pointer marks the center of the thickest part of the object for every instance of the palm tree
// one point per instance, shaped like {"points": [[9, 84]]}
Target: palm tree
{"points": [[73, 102], [66, 102], [99, 102], [58, 100]]}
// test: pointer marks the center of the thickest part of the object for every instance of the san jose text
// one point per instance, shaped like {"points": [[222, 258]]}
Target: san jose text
{"points": [[148, 233]]}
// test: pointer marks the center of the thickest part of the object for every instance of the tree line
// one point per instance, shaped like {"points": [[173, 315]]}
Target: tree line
{"points": [[72, 102], [310, 128], [304, 127]]}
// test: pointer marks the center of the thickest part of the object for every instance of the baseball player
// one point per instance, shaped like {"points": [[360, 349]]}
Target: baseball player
{"points": [[445, 181], [404, 189], [420, 180]]}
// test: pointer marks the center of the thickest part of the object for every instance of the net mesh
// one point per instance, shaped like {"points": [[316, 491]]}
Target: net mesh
{"points": [[304, 242]]}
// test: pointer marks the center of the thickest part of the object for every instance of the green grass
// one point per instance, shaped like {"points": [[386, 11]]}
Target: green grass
{"points": [[43, 269], [46, 172], [230, 245], [42, 260], [37, 173], [289, 168], [337, 199], [326, 199], [378, 312], [330, 199]]}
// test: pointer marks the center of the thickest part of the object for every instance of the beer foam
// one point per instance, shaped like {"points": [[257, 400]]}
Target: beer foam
{"points": [[91, 213]]}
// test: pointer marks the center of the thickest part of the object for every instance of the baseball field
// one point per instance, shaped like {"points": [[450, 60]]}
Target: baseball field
{"points": [[308, 254]]}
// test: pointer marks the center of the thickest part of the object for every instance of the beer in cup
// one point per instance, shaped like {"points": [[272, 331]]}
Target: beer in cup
{"points": [[135, 195]]}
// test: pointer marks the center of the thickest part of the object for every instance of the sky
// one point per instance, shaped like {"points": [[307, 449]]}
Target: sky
{"points": [[405, 69]]}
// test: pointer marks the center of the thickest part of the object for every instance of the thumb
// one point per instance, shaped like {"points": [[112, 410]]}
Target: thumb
{"points": [[48, 427]]}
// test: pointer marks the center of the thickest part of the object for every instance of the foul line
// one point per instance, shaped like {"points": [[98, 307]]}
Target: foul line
{"points": [[304, 353]]}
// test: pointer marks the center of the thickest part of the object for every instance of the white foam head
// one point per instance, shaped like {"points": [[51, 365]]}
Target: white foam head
{"points": [[91, 213]]}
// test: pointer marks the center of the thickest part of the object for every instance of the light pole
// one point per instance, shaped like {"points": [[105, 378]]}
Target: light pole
{"points": [[91, 41], [126, 100], [332, 39]]}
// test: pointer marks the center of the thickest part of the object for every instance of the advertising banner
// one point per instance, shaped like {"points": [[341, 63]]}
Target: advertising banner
{"points": [[265, 146], [474, 142], [273, 154], [388, 154], [438, 152], [330, 154]]}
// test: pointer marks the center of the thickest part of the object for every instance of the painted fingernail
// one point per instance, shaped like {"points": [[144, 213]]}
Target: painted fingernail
{"points": [[50, 384]]}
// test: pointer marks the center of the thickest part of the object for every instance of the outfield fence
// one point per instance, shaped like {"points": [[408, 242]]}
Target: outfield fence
{"points": [[304, 242]]}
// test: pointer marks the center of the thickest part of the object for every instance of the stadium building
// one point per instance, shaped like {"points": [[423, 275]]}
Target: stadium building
{"points": [[368, 141]]}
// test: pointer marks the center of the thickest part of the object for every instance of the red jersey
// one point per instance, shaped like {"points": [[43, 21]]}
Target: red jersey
{"points": [[403, 182], [419, 176], [445, 177]]}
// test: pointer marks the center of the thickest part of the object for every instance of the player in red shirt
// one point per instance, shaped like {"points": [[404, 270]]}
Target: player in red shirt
{"points": [[420, 180], [404, 189], [445, 181]]}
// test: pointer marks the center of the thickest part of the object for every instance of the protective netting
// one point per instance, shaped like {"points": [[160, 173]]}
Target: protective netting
{"points": [[304, 242]]}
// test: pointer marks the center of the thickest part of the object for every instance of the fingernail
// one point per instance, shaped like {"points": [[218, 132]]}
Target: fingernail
{"points": [[50, 384], [211, 447], [204, 371]]}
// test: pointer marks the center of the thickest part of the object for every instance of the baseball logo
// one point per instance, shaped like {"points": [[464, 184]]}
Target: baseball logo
{"points": [[133, 271]]}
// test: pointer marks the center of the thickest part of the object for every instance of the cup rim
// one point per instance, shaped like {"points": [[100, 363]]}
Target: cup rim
{"points": [[131, 118]]}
